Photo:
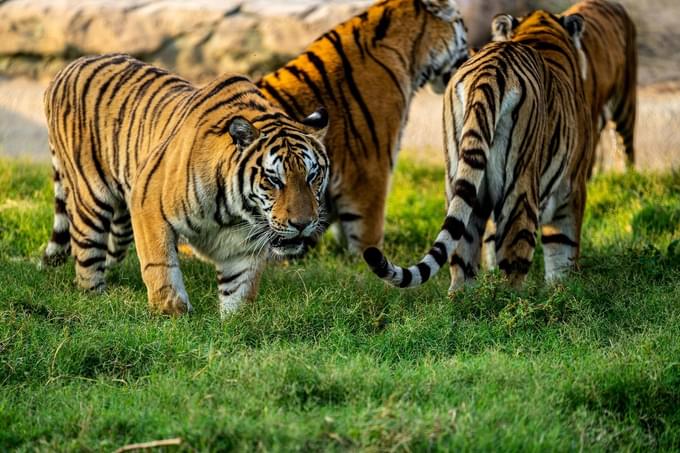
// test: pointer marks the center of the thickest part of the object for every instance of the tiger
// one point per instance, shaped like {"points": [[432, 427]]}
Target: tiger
{"points": [[609, 46], [139, 153], [365, 72], [518, 146]]}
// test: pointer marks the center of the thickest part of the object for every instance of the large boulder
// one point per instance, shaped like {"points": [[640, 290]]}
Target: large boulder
{"points": [[198, 39]]}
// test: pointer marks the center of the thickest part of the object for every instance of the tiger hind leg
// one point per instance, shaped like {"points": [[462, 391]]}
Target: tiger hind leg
{"points": [[89, 240], [120, 236], [465, 261], [516, 238], [59, 246], [489, 246], [361, 215], [560, 238]]}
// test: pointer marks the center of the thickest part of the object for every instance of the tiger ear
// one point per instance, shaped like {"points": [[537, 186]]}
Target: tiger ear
{"points": [[317, 123], [243, 134], [575, 24], [502, 27], [444, 9]]}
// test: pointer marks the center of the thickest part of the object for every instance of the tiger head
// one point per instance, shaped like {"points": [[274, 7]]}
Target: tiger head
{"points": [[258, 168], [504, 27], [282, 177], [430, 34]]}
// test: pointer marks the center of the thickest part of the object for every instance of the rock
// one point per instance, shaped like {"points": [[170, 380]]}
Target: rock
{"points": [[197, 39]]}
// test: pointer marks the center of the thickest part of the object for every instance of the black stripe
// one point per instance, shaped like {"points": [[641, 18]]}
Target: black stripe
{"points": [[466, 191], [231, 99], [438, 252], [524, 235], [406, 278], [302, 75], [455, 227], [219, 87], [222, 280], [383, 25], [354, 90], [424, 270], [116, 254], [349, 217], [59, 206], [88, 244], [376, 261], [60, 237], [279, 99], [475, 158], [468, 270], [558, 239], [321, 68], [89, 262]]}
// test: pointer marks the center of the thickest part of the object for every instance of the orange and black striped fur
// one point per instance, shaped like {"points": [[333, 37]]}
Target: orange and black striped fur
{"points": [[518, 145], [365, 72], [609, 44], [140, 152]]}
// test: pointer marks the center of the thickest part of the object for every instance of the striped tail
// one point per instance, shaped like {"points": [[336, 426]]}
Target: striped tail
{"points": [[59, 247], [470, 173]]}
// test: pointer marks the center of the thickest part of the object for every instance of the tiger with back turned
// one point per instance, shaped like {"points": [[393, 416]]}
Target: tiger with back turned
{"points": [[138, 151], [518, 140], [610, 47], [365, 71]]}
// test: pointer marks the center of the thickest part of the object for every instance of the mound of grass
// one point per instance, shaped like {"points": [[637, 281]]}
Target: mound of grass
{"points": [[329, 358]]}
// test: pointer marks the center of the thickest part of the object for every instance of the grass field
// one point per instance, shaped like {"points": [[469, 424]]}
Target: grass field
{"points": [[331, 359]]}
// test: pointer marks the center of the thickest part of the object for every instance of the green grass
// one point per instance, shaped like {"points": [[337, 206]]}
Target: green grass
{"points": [[329, 358]]}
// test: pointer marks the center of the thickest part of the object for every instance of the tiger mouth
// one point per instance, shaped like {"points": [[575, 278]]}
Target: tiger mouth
{"points": [[287, 246]]}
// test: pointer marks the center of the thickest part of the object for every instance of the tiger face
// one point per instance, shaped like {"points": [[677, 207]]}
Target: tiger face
{"points": [[284, 179]]}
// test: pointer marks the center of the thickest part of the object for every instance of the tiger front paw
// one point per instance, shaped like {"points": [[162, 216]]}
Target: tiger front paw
{"points": [[169, 302]]}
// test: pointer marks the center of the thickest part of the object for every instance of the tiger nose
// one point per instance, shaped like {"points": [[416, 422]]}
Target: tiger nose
{"points": [[300, 224]]}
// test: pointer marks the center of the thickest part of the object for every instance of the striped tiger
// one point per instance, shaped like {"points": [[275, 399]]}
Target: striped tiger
{"points": [[365, 71], [139, 152], [518, 141], [609, 44]]}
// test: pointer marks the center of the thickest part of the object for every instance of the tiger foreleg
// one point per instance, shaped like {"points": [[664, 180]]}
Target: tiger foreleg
{"points": [[237, 282], [157, 250]]}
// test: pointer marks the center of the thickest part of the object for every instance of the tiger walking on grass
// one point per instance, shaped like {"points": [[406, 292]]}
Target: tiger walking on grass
{"points": [[138, 152]]}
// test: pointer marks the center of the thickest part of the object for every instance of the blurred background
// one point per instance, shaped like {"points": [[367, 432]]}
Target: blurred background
{"points": [[200, 39]]}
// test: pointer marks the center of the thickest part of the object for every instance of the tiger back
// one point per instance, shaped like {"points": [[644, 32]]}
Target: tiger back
{"points": [[138, 152], [518, 141]]}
